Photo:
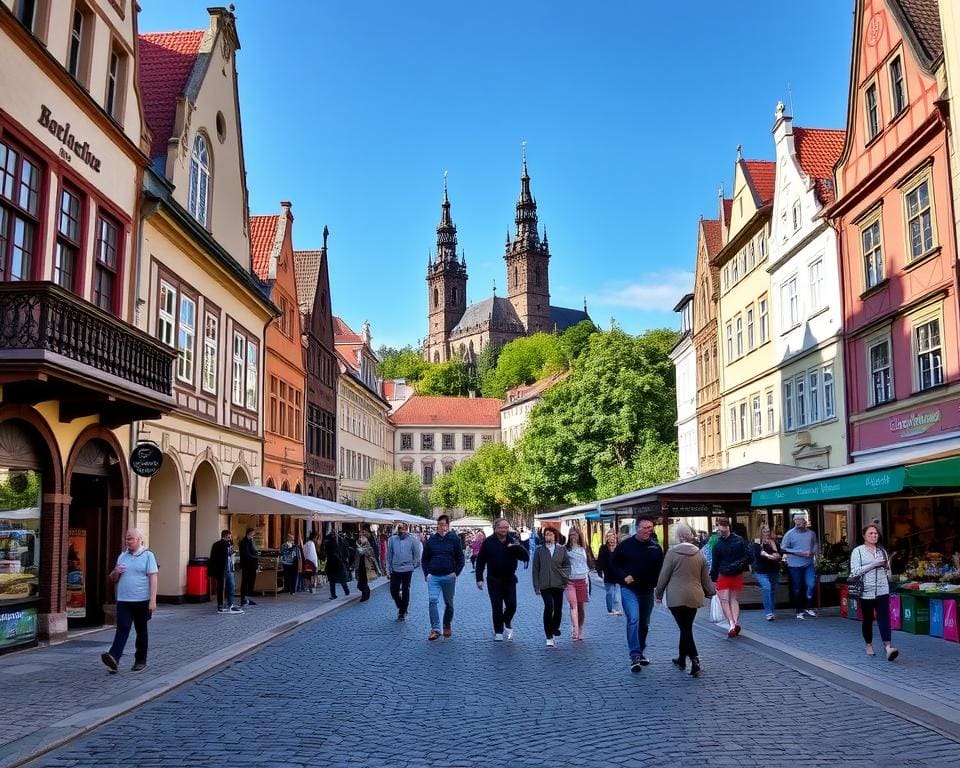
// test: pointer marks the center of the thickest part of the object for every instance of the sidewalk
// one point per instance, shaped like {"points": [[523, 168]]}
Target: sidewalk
{"points": [[923, 683], [61, 691]]}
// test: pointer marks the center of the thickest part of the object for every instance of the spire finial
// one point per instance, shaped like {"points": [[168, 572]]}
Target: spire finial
{"points": [[523, 154], [494, 287], [445, 187], [585, 305], [326, 234], [739, 152]]}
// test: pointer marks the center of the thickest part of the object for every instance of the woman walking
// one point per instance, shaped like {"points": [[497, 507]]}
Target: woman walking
{"points": [[551, 572], [577, 589], [368, 567], [290, 560], [311, 563], [766, 569], [869, 561], [685, 580], [610, 585]]}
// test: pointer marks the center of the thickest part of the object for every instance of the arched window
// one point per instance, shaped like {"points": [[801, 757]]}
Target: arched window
{"points": [[198, 203], [436, 297], [516, 277]]}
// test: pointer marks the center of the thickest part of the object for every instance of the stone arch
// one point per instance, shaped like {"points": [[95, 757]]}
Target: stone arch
{"points": [[270, 483], [205, 490], [299, 489], [285, 487], [241, 474], [167, 496], [171, 455], [208, 457], [310, 490]]}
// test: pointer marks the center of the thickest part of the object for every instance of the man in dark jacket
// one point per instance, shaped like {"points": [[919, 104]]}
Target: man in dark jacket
{"points": [[249, 559], [220, 567], [636, 567], [336, 553], [442, 562], [731, 557], [499, 555]]}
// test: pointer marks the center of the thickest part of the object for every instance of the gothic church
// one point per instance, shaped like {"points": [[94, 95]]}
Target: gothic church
{"points": [[458, 331]]}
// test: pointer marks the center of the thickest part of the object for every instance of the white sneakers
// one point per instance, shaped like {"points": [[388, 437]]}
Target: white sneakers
{"points": [[551, 643], [811, 612], [770, 617], [498, 638], [508, 633]]}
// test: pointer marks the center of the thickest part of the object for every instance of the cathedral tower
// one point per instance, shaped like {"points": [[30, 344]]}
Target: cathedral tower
{"points": [[446, 286], [527, 258]]}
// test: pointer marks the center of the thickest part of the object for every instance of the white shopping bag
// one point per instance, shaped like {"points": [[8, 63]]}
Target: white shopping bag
{"points": [[716, 611]]}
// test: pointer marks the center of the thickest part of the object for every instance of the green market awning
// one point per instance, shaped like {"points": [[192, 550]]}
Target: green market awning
{"points": [[943, 473]]}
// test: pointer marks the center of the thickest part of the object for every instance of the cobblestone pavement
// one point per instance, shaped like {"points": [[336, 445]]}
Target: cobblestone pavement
{"points": [[357, 689]]}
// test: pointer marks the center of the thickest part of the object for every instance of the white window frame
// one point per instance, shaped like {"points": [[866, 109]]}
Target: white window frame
{"points": [[751, 330], [738, 321], [788, 412], [795, 215], [815, 279], [166, 317], [790, 303], [253, 372], [927, 213], [733, 425], [198, 191], [744, 420], [814, 393], [211, 339], [800, 399], [924, 348], [762, 247], [872, 123], [238, 367], [771, 414], [763, 316], [757, 413], [186, 339], [904, 100], [829, 392], [872, 259], [729, 342], [878, 341]]}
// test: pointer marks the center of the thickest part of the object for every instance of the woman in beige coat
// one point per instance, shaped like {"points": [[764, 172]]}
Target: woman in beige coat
{"points": [[685, 572]]}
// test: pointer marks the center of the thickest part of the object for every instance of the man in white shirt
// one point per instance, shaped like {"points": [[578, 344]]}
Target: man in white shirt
{"points": [[135, 575]]}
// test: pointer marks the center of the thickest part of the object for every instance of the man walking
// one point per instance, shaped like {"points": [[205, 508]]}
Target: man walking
{"points": [[801, 547], [442, 562], [135, 575], [335, 553], [403, 555], [731, 558], [499, 555], [249, 561], [636, 566], [220, 568]]}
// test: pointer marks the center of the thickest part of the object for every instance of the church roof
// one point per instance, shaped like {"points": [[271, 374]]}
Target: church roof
{"points": [[562, 318], [495, 310]]}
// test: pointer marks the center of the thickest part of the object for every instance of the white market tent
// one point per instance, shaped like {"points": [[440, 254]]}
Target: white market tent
{"points": [[471, 522], [258, 500]]}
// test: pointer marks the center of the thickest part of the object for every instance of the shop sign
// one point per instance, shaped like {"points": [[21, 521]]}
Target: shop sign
{"points": [[69, 142], [696, 510], [18, 627], [848, 487], [650, 508], [932, 420], [146, 459], [916, 423]]}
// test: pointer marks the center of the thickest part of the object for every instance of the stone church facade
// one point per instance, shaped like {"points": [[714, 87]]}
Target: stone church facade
{"points": [[458, 331]]}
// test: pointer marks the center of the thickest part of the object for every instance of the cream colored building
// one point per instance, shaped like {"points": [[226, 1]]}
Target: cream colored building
{"points": [[518, 404], [749, 380], [685, 369], [804, 278], [197, 295], [364, 431]]}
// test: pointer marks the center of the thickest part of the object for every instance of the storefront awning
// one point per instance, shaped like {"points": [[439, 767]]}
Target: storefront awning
{"points": [[257, 500], [857, 482]]}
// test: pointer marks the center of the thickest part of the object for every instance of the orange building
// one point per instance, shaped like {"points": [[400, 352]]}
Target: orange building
{"points": [[271, 244]]}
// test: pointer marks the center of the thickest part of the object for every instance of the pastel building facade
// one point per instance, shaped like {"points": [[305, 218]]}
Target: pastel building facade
{"points": [[684, 362]]}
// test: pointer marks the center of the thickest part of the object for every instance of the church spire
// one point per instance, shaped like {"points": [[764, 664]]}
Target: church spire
{"points": [[526, 218], [446, 231]]}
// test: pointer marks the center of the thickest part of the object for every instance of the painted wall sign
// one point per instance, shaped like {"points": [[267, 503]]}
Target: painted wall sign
{"points": [[146, 459], [61, 132], [925, 421]]}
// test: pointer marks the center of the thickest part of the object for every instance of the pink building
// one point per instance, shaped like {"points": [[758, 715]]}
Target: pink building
{"points": [[897, 240]]}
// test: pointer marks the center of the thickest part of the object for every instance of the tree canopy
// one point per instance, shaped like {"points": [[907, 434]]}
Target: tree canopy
{"points": [[396, 489], [483, 484], [404, 363]]}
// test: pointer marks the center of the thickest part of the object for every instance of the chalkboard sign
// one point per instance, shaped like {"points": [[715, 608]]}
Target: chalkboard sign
{"points": [[146, 459]]}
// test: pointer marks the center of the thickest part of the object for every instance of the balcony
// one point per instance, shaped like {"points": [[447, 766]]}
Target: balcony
{"points": [[56, 346]]}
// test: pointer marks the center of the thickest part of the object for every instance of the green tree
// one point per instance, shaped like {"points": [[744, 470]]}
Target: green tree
{"points": [[449, 378], [576, 339], [486, 369], [396, 489], [483, 484], [405, 363], [525, 360]]}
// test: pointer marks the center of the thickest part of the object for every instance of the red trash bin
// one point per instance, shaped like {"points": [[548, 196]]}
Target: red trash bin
{"points": [[197, 591]]}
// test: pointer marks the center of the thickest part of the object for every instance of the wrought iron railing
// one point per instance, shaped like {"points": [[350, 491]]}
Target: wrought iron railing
{"points": [[43, 317]]}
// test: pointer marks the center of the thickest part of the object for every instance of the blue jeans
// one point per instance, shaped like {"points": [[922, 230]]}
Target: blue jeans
{"points": [[613, 597], [800, 577], [226, 586], [136, 614], [637, 607], [768, 589], [435, 586]]}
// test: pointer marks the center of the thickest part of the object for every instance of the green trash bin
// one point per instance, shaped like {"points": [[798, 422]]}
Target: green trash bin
{"points": [[915, 612]]}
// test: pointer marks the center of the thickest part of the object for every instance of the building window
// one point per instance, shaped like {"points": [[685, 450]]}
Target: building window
{"points": [[733, 425], [199, 191], [76, 42], [407, 466], [729, 342], [406, 441], [484, 439], [929, 354], [106, 263], [813, 396], [764, 319], [68, 240], [898, 86], [796, 215], [19, 201], [871, 112], [739, 322], [428, 474], [26, 11], [751, 255], [788, 406], [757, 416], [735, 271], [919, 219], [253, 363], [211, 326], [186, 339], [829, 395], [426, 441], [447, 441], [468, 442], [239, 352], [870, 240], [800, 395], [116, 79], [167, 322], [881, 374], [726, 277], [771, 418], [273, 416], [751, 340], [790, 303]]}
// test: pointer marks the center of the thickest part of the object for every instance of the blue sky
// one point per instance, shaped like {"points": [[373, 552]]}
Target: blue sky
{"points": [[632, 112]]}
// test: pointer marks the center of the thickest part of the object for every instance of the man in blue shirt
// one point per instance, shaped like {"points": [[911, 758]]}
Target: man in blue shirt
{"points": [[801, 547], [135, 575]]}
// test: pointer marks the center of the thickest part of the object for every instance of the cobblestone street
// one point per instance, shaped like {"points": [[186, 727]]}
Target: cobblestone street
{"points": [[355, 688]]}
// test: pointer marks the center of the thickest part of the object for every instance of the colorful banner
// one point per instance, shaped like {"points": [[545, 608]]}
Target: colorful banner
{"points": [[77, 573]]}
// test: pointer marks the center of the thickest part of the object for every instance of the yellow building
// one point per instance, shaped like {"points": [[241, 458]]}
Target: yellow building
{"points": [[748, 372], [74, 373], [196, 294]]}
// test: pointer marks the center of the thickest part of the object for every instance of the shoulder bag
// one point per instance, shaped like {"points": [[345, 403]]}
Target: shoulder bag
{"points": [[855, 583]]}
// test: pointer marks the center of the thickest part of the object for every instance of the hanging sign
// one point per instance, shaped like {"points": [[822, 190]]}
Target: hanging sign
{"points": [[146, 459]]}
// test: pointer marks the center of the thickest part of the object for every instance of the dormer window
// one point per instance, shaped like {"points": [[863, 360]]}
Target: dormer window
{"points": [[199, 192]]}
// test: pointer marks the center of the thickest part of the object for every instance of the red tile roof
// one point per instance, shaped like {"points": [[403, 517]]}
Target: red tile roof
{"points": [[449, 411], [166, 61], [525, 392], [263, 236], [713, 234], [762, 175], [727, 209], [343, 333], [818, 150]]}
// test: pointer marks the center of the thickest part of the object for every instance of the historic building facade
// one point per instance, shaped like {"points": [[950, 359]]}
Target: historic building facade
{"points": [[458, 331], [519, 401], [804, 279], [74, 372], [685, 368], [197, 294], [364, 432]]}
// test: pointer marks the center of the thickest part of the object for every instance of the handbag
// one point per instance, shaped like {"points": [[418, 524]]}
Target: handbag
{"points": [[308, 566], [855, 583]]}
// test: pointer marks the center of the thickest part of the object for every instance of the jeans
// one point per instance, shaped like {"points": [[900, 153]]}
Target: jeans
{"points": [[552, 611], [400, 590], [503, 601], [613, 597], [637, 606], [800, 577], [684, 617], [435, 586], [226, 586], [248, 577], [880, 606], [136, 614], [768, 589]]}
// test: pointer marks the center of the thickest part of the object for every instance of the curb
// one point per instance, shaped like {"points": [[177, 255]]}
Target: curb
{"points": [[908, 703], [28, 748]]}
